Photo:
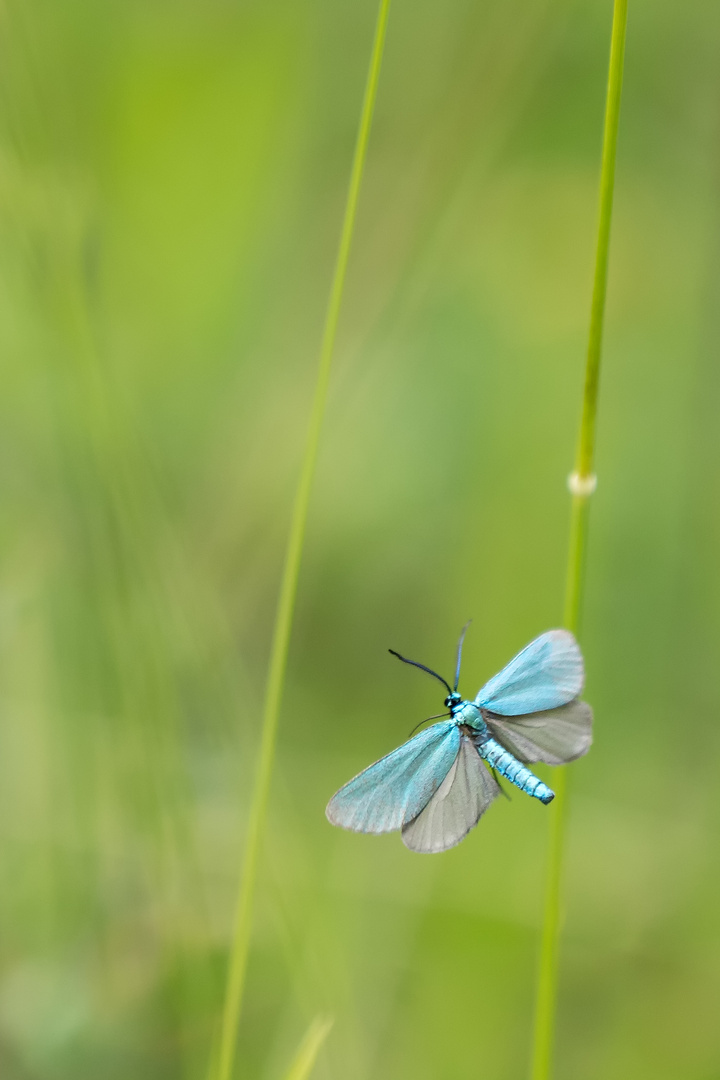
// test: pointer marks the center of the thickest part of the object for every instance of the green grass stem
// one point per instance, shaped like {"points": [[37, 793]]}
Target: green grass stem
{"points": [[582, 485], [288, 587], [309, 1049]]}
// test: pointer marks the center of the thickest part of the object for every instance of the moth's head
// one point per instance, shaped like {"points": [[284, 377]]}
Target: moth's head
{"points": [[453, 700]]}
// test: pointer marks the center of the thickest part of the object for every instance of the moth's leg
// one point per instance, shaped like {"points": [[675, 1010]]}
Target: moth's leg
{"points": [[497, 781]]}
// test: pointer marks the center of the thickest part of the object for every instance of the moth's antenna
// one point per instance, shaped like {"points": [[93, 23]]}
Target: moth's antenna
{"points": [[425, 721], [422, 668], [459, 652]]}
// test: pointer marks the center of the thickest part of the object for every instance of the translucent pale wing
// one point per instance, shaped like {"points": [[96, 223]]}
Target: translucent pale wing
{"points": [[556, 736], [457, 805], [546, 674], [396, 788]]}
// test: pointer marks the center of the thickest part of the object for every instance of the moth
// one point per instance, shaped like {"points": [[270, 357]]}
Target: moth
{"points": [[436, 786]]}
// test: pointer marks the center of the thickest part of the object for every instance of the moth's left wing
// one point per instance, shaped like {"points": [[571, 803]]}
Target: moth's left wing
{"points": [[555, 736], [457, 805], [396, 788], [546, 674]]}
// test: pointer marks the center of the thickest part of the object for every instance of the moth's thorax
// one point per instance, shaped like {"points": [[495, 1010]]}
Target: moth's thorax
{"points": [[467, 713]]}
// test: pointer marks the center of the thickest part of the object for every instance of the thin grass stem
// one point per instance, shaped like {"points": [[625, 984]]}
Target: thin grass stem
{"points": [[582, 485], [309, 1049], [288, 586]]}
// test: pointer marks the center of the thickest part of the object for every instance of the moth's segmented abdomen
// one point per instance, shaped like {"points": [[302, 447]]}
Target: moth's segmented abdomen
{"points": [[514, 771]]}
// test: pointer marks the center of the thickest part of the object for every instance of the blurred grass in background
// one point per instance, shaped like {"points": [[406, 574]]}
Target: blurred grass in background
{"points": [[171, 182]]}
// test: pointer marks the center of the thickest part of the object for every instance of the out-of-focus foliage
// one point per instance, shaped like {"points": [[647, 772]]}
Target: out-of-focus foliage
{"points": [[171, 183]]}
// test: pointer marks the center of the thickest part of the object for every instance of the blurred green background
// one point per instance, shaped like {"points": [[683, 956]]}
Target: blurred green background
{"points": [[172, 177]]}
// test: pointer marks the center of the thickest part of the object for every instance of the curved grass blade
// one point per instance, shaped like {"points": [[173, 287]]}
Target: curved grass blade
{"points": [[309, 1048], [288, 587]]}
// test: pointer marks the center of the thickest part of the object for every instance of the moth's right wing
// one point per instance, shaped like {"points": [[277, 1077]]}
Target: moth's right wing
{"points": [[546, 674], [457, 805], [554, 736], [395, 789]]}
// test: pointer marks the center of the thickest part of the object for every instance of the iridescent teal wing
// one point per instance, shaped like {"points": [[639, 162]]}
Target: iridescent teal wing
{"points": [[547, 673], [555, 736], [395, 789], [456, 807]]}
